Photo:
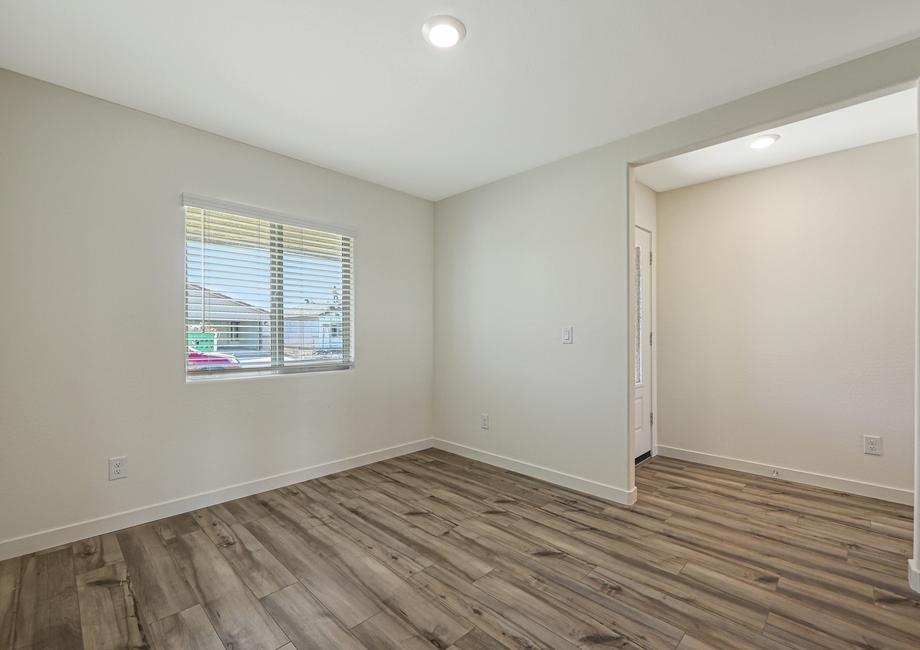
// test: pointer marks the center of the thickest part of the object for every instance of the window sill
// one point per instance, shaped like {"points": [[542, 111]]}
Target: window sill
{"points": [[235, 375]]}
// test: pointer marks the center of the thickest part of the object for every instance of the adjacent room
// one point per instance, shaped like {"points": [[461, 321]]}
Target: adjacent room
{"points": [[781, 298], [519, 324]]}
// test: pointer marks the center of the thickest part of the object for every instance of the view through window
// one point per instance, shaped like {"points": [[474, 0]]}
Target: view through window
{"points": [[264, 296]]}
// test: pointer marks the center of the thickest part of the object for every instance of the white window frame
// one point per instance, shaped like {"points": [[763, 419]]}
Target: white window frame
{"points": [[218, 205]]}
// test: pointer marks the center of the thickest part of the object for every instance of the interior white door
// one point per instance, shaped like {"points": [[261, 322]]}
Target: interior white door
{"points": [[642, 259]]}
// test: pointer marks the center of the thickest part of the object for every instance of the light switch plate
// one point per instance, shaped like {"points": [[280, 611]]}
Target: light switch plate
{"points": [[568, 335]]}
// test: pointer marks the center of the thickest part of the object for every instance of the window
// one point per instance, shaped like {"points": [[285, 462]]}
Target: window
{"points": [[263, 294]]}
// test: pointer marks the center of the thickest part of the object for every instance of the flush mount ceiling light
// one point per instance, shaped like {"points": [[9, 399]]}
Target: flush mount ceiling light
{"points": [[763, 141], [443, 31]]}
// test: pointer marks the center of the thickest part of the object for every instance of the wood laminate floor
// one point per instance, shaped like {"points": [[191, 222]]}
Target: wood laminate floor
{"points": [[431, 549]]}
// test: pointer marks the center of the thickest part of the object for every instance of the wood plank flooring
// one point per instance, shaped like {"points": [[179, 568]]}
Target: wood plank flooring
{"points": [[431, 549]]}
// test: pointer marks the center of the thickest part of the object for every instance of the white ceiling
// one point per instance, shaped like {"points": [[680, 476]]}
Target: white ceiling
{"points": [[351, 85], [881, 119]]}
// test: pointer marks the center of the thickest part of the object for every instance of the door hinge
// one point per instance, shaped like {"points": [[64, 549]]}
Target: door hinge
{"points": [[651, 339], [651, 419], [650, 255]]}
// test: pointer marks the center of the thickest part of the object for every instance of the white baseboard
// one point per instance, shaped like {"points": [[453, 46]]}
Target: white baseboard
{"points": [[81, 530], [913, 569], [885, 492], [588, 486]]}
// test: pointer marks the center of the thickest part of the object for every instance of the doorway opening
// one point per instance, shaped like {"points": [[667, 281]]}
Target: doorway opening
{"points": [[772, 329]]}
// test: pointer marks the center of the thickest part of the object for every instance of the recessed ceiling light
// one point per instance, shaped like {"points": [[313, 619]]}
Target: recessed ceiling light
{"points": [[763, 141], [443, 31]]}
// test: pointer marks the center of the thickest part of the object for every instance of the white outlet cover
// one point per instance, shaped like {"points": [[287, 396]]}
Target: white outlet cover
{"points": [[872, 445], [484, 421], [118, 468]]}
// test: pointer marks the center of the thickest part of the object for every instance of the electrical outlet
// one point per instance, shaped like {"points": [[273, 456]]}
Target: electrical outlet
{"points": [[118, 468], [872, 445], [774, 473], [484, 422]]}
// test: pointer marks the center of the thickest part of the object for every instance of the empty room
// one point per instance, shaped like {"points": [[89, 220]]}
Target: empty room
{"points": [[516, 324]]}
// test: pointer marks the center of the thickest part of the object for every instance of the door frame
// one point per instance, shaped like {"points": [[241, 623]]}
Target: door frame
{"points": [[653, 328]]}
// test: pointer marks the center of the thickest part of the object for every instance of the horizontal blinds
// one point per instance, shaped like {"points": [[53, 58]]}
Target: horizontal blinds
{"points": [[264, 296]]}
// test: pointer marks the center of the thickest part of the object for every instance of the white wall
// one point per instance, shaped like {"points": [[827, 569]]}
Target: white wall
{"points": [[646, 207], [518, 259], [516, 262], [786, 315], [91, 351]]}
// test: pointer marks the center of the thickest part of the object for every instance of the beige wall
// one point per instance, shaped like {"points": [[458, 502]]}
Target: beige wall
{"points": [[91, 328], [786, 314]]}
